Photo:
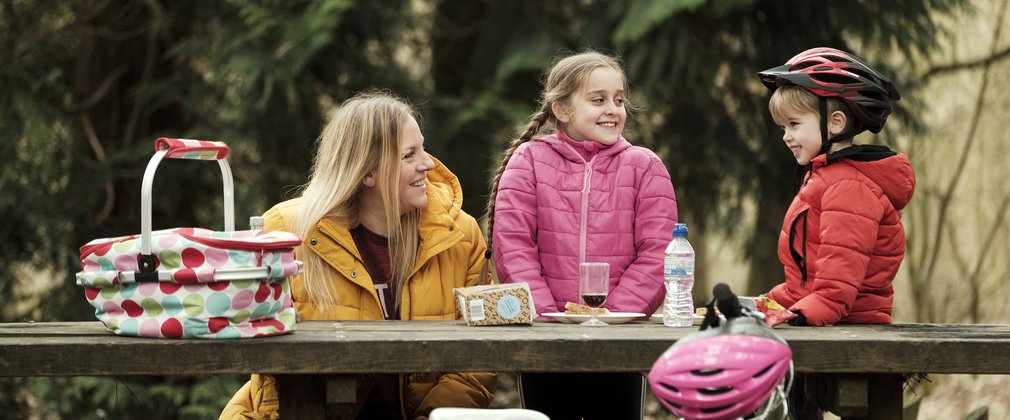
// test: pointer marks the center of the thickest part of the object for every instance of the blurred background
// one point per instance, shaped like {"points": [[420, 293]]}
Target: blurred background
{"points": [[87, 86]]}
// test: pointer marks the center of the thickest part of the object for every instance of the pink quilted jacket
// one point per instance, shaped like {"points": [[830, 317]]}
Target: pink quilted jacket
{"points": [[554, 210]]}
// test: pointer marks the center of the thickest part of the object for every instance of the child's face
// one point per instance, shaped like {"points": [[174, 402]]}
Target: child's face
{"points": [[597, 111], [802, 134]]}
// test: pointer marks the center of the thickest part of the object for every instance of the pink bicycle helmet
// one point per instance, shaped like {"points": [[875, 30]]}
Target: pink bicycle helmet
{"points": [[726, 372]]}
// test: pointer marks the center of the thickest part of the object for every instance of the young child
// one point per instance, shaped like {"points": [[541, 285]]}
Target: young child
{"points": [[582, 194], [842, 240]]}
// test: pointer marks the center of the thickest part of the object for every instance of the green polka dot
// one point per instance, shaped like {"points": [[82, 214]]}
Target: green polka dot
{"points": [[112, 323], [123, 247], [170, 259], [110, 292], [151, 307], [240, 317], [193, 304], [288, 318], [242, 284]]}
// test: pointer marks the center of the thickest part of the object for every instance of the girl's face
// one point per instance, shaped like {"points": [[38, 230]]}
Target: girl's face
{"points": [[597, 111], [802, 134], [414, 167]]}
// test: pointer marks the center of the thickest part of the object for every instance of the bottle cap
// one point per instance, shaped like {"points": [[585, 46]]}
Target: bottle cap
{"points": [[680, 230], [256, 223]]}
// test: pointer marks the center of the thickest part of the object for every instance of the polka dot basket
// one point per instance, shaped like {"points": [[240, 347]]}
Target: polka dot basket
{"points": [[206, 284]]}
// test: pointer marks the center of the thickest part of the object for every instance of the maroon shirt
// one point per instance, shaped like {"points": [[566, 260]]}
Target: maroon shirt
{"points": [[383, 390]]}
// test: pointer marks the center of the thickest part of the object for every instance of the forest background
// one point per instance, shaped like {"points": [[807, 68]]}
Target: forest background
{"points": [[87, 86]]}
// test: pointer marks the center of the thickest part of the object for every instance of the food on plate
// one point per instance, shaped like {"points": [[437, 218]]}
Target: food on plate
{"points": [[572, 308]]}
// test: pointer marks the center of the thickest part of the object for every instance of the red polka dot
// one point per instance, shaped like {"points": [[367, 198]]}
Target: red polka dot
{"points": [[132, 308], [169, 287], [262, 293], [217, 324], [172, 328], [277, 290], [186, 275], [218, 285], [192, 258], [260, 323], [91, 292]]}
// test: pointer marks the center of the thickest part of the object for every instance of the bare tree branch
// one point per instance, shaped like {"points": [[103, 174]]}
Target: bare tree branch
{"points": [[948, 193], [981, 62], [976, 273]]}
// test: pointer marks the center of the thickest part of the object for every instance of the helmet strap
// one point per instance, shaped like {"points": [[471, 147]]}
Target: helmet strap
{"points": [[826, 143]]}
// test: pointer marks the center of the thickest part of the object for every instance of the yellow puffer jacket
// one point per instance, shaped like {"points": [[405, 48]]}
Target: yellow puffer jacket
{"points": [[450, 255]]}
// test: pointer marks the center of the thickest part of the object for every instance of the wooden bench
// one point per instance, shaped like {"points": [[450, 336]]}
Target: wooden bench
{"points": [[864, 364]]}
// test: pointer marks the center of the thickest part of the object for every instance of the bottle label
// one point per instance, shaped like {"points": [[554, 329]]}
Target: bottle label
{"points": [[678, 266]]}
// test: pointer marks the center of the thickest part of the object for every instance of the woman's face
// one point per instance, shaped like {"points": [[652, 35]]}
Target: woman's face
{"points": [[414, 167]]}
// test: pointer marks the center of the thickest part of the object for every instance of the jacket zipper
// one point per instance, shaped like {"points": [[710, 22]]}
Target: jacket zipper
{"points": [[799, 259]]}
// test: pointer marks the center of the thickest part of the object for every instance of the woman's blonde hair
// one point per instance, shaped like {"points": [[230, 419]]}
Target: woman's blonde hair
{"points": [[565, 78], [793, 99], [362, 136]]}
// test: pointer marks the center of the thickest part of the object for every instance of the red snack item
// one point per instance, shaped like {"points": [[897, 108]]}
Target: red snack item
{"points": [[775, 313]]}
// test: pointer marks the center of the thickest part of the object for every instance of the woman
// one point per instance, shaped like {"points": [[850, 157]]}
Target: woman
{"points": [[384, 238]]}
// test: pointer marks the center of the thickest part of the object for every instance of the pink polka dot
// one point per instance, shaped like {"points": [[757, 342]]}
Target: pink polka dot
{"points": [[150, 328], [147, 289], [216, 257], [193, 287], [126, 262], [192, 258], [242, 299], [111, 308], [172, 328], [90, 265], [167, 241]]}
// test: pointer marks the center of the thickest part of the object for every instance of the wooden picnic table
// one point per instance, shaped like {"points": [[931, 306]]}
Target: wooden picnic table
{"points": [[321, 360]]}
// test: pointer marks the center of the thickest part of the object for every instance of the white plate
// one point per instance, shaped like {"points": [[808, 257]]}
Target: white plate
{"points": [[611, 318], [658, 319]]}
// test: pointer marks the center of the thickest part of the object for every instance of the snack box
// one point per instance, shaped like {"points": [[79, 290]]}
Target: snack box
{"points": [[496, 304]]}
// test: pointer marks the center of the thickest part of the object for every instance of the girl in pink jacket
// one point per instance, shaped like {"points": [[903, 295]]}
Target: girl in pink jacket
{"points": [[581, 194]]}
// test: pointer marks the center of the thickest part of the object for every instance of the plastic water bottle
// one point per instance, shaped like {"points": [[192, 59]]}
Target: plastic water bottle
{"points": [[678, 275], [256, 223]]}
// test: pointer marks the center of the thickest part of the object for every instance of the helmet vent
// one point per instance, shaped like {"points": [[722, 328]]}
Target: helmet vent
{"points": [[706, 372], [801, 66], [873, 95], [715, 409], [763, 371], [670, 387], [832, 78], [860, 72], [836, 58], [715, 391]]}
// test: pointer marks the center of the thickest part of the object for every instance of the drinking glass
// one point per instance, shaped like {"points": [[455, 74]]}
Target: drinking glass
{"points": [[594, 283]]}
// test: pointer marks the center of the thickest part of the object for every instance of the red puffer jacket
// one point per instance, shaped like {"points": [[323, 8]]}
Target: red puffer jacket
{"points": [[842, 240]]}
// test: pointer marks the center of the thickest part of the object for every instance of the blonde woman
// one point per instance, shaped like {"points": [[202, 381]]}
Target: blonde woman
{"points": [[384, 238]]}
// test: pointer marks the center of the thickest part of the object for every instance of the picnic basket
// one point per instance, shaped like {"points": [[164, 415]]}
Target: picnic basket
{"points": [[191, 282]]}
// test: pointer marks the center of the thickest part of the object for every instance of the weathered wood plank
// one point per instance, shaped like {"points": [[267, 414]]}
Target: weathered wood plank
{"points": [[321, 347]]}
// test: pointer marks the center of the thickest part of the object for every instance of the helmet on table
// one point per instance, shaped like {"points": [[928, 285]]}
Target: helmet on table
{"points": [[726, 372]]}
